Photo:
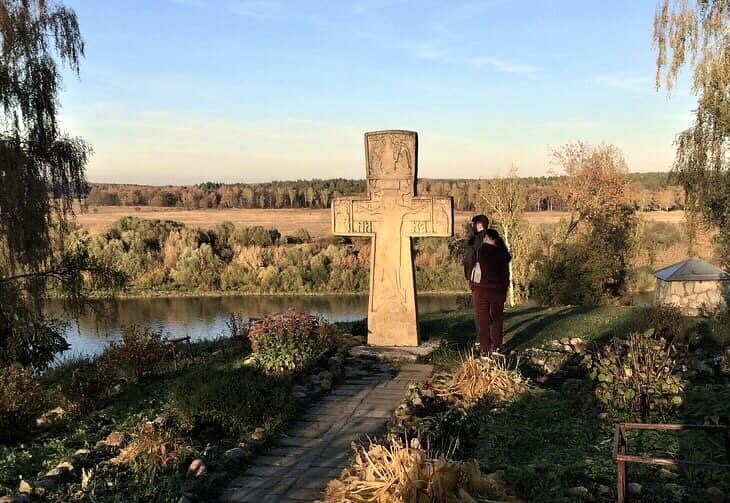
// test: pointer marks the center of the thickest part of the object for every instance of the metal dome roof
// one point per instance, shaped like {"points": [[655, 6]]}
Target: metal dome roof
{"points": [[692, 269]]}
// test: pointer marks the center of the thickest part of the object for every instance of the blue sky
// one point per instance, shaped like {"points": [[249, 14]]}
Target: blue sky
{"points": [[186, 91]]}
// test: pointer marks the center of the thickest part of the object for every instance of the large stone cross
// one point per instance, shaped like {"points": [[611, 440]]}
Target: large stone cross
{"points": [[392, 214]]}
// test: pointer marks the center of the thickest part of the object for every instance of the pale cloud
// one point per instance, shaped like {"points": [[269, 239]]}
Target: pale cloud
{"points": [[431, 51], [626, 82], [193, 3], [426, 51], [255, 8], [504, 66], [371, 5]]}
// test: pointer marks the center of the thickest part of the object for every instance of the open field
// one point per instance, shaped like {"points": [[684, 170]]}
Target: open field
{"points": [[317, 222]]}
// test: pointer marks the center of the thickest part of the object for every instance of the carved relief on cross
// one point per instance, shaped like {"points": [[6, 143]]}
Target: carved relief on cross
{"points": [[391, 214]]}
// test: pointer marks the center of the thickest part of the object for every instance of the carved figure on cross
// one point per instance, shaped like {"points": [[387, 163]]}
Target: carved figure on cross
{"points": [[391, 214]]}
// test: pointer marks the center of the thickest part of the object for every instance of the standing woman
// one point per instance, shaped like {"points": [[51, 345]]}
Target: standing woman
{"points": [[489, 290]]}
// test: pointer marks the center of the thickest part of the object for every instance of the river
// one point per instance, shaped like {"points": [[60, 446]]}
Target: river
{"points": [[205, 317]]}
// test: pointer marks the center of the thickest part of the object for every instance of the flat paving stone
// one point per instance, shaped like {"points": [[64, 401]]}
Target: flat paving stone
{"points": [[318, 444]]}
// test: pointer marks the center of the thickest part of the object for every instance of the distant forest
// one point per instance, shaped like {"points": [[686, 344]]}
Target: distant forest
{"points": [[648, 191]]}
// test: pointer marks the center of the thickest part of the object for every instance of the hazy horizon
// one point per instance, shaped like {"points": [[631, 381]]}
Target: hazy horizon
{"points": [[185, 91], [293, 180]]}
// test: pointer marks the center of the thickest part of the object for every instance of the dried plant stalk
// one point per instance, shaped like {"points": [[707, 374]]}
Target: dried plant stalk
{"points": [[157, 446], [477, 378], [395, 473]]}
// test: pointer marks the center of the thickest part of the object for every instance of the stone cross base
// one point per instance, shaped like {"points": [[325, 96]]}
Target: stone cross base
{"points": [[397, 354]]}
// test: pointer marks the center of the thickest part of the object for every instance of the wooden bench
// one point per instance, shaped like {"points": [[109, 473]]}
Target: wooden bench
{"points": [[174, 342]]}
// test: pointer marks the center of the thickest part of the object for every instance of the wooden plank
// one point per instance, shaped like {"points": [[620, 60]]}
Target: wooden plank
{"points": [[666, 461], [673, 427]]}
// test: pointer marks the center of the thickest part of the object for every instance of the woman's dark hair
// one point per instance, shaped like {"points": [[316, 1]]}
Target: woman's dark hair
{"points": [[482, 219], [498, 241]]}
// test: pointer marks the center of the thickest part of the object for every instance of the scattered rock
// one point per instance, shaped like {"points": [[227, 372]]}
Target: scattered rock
{"points": [[580, 347], [603, 415], [716, 495], [197, 468], [115, 439], [82, 452], [428, 393], [603, 489], [299, 389], [675, 490], [258, 435], [61, 473], [634, 489], [237, 453], [47, 418], [667, 474], [68, 463], [417, 402], [578, 491], [25, 487], [298, 395], [44, 485], [161, 421]]}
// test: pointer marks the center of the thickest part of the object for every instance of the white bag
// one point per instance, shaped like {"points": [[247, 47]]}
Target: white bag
{"points": [[476, 273]]}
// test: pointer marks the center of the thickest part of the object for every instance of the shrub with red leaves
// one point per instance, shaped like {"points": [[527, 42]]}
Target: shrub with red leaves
{"points": [[291, 341]]}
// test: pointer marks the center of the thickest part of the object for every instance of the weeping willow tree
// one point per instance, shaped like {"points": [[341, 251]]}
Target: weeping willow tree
{"points": [[696, 34], [42, 173]]}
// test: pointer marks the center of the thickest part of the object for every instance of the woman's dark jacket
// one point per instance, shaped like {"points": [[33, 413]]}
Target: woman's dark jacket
{"points": [[470, 257], [494, 262]]}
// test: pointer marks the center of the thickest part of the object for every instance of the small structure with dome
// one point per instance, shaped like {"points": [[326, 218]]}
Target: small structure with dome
{"points": [[692, 285]]}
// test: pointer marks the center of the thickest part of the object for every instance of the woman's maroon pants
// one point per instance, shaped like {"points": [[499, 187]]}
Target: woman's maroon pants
{"points": [[489, 316]]}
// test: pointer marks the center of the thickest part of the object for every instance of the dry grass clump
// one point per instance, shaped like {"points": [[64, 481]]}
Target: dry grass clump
{"points": [[153, 445], [477, 378], [398, 474]]}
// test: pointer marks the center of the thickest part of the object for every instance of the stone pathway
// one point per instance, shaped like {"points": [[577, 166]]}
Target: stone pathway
{"points": [[317, 447]]}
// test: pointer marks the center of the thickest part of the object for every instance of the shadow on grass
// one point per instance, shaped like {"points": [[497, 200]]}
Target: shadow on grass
{"points": [[560, 438]]}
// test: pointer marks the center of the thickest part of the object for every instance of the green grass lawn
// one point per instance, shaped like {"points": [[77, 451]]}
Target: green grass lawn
{"points": [[560, 436], [533, 326]]}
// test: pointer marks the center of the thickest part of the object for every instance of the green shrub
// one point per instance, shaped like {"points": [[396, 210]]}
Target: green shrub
{"points": [[235, 401], [636, 374], [290, 342], [21, 400], [238, 327], [142, 351], [83, 382], [299, 236], [666, 321], [708, 404], [256, 236]]}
